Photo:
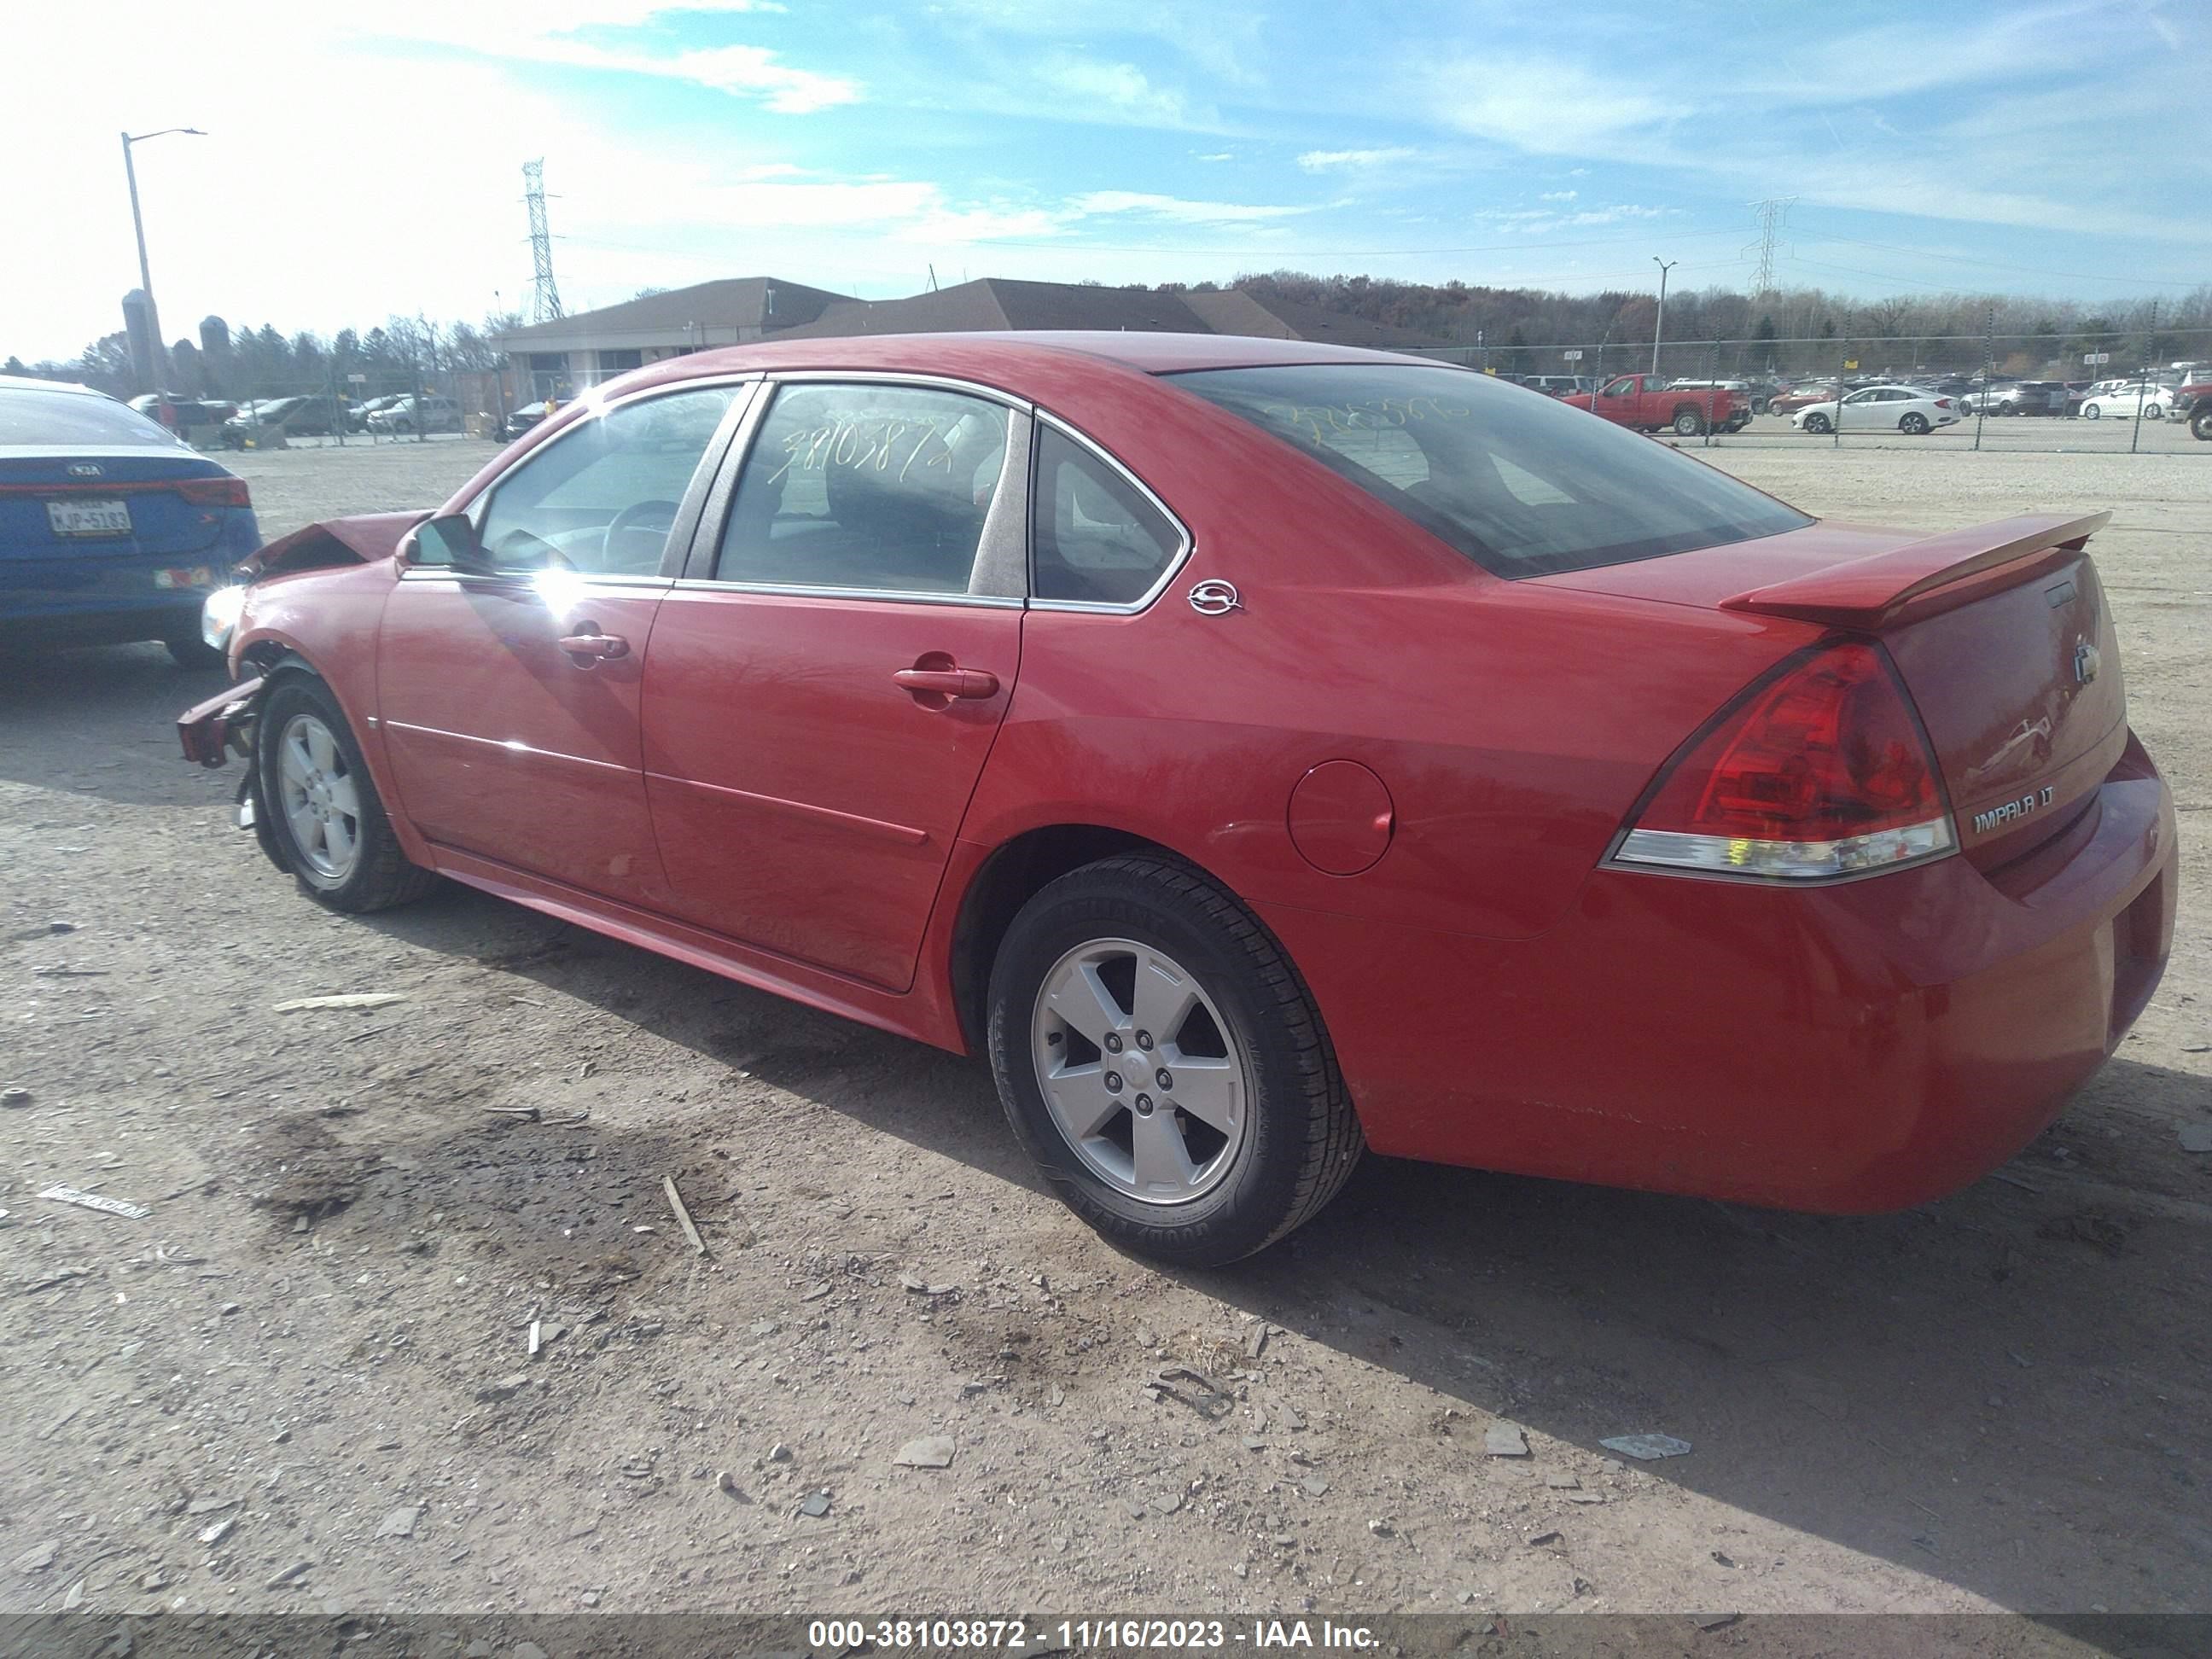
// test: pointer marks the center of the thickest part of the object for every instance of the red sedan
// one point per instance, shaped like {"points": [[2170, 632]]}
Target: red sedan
{"points": [[1261, 750]]}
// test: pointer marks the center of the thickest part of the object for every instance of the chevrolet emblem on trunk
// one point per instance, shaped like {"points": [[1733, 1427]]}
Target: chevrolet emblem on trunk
{"points": [[2085, 662]]}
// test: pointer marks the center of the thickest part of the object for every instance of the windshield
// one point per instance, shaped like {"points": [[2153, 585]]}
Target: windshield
{"points": [[1521, 485], [74, 417]]}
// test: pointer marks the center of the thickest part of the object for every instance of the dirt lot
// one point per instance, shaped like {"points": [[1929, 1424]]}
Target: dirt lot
{"points": [[305, 1381]]}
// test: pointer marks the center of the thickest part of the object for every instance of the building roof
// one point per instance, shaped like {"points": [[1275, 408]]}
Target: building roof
{"points": [[762, 303], [995, 303]]}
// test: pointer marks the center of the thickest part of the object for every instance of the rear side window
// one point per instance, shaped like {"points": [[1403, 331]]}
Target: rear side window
{"points": [[76, 417], [1523, 486], [875, 488], [1094, 537]]}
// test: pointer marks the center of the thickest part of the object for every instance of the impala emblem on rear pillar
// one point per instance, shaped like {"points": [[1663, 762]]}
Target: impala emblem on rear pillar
{"points": [[2085, 662], [1214, 599]]}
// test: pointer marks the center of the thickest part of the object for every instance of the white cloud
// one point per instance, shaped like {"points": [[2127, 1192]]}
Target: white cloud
{"points": [[1558, 195], [1177, 210], [1218, 155], [1123, 87], [1327, 160]]}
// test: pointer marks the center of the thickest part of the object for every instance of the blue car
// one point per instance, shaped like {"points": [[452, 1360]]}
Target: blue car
{"points": [[111, 530]]}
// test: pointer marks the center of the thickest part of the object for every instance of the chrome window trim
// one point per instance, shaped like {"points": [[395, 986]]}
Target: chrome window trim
{"points": [[1174, 567], [1001, 553], [445, 573], [878, 595], [901, 377]]}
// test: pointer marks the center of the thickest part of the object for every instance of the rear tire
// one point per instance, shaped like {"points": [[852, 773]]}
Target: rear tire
{"points": [[1914, 425], [1129, 937], [1688, 423], [325, 819]]}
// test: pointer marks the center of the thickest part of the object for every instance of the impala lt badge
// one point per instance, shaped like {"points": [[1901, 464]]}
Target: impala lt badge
{"points": [[1214, 599], [2015, 809], [2085, 662]]}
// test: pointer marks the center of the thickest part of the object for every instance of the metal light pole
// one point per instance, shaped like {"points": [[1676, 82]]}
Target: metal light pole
{"points": [[138, 225], [1659, 325]]}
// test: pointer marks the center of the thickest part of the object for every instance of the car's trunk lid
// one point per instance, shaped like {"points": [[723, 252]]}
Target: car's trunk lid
{"points": [[1999, 631]]}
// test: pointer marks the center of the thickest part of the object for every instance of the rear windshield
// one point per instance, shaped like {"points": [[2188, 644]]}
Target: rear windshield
{"points": [[74, 417], [1523, 485]]}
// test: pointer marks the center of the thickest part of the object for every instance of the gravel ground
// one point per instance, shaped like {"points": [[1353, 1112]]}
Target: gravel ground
{"points": [[305, 1380]]}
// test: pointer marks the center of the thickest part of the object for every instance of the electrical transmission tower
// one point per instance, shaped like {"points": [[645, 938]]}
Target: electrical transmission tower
{"points": [[1773, 214], [545, 296]]}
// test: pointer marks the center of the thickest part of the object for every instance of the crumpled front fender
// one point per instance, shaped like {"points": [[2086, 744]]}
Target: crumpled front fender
{"points": [[210, 731]]}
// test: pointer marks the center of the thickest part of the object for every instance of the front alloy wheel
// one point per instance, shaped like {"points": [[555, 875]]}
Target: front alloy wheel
{"points": [[1816, 423], [324, 821], [320, 801]]}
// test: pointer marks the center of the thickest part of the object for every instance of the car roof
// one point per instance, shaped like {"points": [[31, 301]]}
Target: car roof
{"points": [[1147, 353], [33, 383]]}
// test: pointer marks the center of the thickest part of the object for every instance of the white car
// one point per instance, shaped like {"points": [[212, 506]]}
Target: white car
{"points": [[2124, 400], [1909, 408]]}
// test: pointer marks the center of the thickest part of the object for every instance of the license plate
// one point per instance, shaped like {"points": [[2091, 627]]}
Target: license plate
{"points": [[89, 517]]}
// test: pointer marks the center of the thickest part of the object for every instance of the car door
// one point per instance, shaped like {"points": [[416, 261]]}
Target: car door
{"points": [[509, 695], [824, 685], [1621, 400]]}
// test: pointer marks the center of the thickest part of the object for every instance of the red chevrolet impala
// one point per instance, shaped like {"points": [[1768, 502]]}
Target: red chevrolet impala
{"points": [[1261, 750]]}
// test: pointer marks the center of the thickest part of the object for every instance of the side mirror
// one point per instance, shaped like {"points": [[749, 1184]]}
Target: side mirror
{"points": [[450, 541]]}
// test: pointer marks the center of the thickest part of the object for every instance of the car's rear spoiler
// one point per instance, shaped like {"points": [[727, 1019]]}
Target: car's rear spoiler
{"points": [[1882, 587]]}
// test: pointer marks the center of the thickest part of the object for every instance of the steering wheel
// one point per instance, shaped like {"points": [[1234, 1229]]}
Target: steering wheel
{"points": [[636, 517]]}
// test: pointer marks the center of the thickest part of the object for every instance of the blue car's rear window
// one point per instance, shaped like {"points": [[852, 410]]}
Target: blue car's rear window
{"points": [[28, 415], [1520, 482]]}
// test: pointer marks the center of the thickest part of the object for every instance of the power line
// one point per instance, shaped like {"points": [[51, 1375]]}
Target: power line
{"points": [[545, 294]]}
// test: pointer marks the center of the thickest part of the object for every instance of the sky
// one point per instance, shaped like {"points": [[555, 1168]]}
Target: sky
{"points": [[365, 160]]}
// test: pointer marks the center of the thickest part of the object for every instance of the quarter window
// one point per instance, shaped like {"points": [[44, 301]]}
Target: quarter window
{"points": [[881, 487], [1094, 536], [602, 498]]}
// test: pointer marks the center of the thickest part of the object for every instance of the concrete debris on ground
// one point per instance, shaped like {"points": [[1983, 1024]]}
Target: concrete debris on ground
{"points": [[1647, 1447]]}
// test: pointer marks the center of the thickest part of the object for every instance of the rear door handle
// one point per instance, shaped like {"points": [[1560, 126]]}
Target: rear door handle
{"points": [[965, 683], [595, 647]]}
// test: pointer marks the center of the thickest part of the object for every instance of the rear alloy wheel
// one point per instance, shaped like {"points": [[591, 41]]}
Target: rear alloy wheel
{"points": [[1817, 423], [324, 813], [1916, 425], [1688, 423], [1162, 1062]]}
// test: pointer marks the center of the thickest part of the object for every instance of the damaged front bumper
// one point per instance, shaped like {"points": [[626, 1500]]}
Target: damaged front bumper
{"points": [[222, 726]]}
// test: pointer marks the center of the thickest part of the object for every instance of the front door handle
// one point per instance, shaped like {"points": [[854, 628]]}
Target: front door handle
{"points": [[589, 648], [963, 682]]}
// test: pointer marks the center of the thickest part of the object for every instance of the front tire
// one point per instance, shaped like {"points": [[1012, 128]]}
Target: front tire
{"points": [[192, 652], [1162, 1062], [2092, 412], [2200, 420], [1817, 423], [326, 818], [2154, 411]]}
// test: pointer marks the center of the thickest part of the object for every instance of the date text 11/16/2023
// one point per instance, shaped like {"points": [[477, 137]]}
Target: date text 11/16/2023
{"points": [[1014, 1635]]}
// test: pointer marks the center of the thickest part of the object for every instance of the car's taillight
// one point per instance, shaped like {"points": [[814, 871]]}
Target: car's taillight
{"points": [[1821, 770], [1942, 403], [214, 492]]}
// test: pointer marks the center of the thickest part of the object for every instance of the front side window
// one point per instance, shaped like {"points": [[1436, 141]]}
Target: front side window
{"points": [[1094, 537], [876, 487], [1620, 388], [1522, 487], [601, 498]]}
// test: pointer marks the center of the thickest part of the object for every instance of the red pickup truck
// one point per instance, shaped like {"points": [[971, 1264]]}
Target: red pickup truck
{"points": [[2193, 402], [1646, 402]]}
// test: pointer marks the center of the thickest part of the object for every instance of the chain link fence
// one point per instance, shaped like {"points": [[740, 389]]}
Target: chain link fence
{"points": [[2130, 392], [334, 406]]}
